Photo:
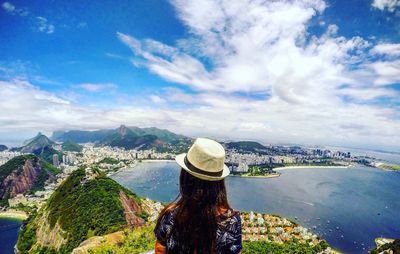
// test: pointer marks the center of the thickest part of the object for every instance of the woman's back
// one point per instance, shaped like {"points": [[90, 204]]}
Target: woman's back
{"points": [[200, 221], [228, 234]]}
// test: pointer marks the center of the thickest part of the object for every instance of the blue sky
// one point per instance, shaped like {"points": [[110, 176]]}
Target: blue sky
{"points": [[309, 71]]}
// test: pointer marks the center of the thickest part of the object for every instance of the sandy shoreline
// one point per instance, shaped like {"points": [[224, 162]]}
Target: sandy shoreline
{"points": [[14, 215], [305, 167], [134, 165], [262, 176]]}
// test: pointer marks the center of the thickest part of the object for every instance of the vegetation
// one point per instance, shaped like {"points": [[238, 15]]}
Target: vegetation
{"points": [[263, 247], [136, 241], [390, 167], [108, 160], [142, 239], [3, 148], [46, 153], [247, 147], [129, 138], [27, 236], [13, 164], [84, 208], [16, 164], [71, 146]]}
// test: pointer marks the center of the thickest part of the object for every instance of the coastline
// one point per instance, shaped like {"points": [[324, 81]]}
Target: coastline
{"points": [[305, 167], [136, 163], [14, 215], [261, 176]]}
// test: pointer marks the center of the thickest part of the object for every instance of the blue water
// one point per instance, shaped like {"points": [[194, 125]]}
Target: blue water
{"points": [[9, 229], [349, 207]]}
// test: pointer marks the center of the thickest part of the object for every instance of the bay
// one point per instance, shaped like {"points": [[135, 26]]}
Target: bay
{"points": [[347, 207], [9, 229]]}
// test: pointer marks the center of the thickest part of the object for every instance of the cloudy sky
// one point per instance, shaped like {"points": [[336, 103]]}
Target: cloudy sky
{"points": [[282, 72]]}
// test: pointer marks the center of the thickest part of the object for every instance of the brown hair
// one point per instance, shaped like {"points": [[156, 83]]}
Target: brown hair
{"points": [[196, 214]]}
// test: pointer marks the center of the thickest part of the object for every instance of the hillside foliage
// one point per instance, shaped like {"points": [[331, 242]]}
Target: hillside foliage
{"points": [[15, 165], [71, 146], [263, 247], [83, 208], [136, 241]]}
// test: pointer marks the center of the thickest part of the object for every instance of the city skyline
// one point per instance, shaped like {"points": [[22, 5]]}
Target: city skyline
{"points": [[294, 72]]}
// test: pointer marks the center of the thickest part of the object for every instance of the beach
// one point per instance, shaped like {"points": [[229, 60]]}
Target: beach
{"points": [[260, 176], [308, 167], [14, 214]]}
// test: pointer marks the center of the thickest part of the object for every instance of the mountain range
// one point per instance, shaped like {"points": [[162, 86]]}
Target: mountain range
{"points": [[128, 138]]}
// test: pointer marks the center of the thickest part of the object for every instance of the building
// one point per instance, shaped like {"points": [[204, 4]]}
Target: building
{"points": [[19, 199], [56, 163]]}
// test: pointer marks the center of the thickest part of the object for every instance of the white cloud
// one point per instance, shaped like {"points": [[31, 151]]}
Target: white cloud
{"points": [[317, 90], [93, 87], [44, 26], [264, 50], [389, 49], [157, 99], [391, 5], [10, 8]]}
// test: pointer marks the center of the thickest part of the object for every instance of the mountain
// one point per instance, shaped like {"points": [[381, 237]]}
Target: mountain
{"points": [[3, 148], [71, 146], [37, 143], [81, 136], [41, 146], [129, 138], [81, 207], [24, 174], [247, 147], [126, 138]]}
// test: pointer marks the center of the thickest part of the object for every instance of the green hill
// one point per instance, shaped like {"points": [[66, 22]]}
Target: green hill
{"points": [[128, 139], [71, 146], [247, 147], [37, 143], [41, 146], [82, 207], [24, 174], [3, 148]]}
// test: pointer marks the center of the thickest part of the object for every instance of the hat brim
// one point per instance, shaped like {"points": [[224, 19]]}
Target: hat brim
{"points": [[180, 159]]}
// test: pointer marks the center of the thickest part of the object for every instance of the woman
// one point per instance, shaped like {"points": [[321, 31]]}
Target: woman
{"points": [[200, 221]]}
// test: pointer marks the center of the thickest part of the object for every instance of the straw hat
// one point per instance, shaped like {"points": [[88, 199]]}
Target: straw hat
{"points": [[204, 160]]}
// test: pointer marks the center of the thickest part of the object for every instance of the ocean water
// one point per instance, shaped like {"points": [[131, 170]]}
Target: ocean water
{"points": [[9, 229], [347, 207]]}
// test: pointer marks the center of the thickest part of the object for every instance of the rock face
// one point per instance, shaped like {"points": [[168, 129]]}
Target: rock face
{"points": [[131, 209], [22, 174], [47, 236], [21, 181], [96, 241]]}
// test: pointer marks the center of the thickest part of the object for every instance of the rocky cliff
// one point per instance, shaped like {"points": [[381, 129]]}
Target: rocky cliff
{"points": [[24, 174]]}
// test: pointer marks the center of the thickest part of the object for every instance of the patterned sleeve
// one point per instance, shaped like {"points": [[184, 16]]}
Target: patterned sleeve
{"points": [[236, 247], [164, 228]]}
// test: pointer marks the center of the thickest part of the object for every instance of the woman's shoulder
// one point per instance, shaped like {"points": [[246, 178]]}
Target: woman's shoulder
{"points": [[230, 217]]}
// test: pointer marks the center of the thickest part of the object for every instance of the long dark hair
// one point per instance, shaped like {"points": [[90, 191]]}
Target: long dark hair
{"points": [[196, 214]]}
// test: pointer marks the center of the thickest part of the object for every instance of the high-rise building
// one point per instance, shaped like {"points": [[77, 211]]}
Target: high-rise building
{"points": [[55, 161]]}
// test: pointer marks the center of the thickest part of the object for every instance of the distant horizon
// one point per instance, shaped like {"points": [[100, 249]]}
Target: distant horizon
{"points": [[20, 142], [282, 72]]}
